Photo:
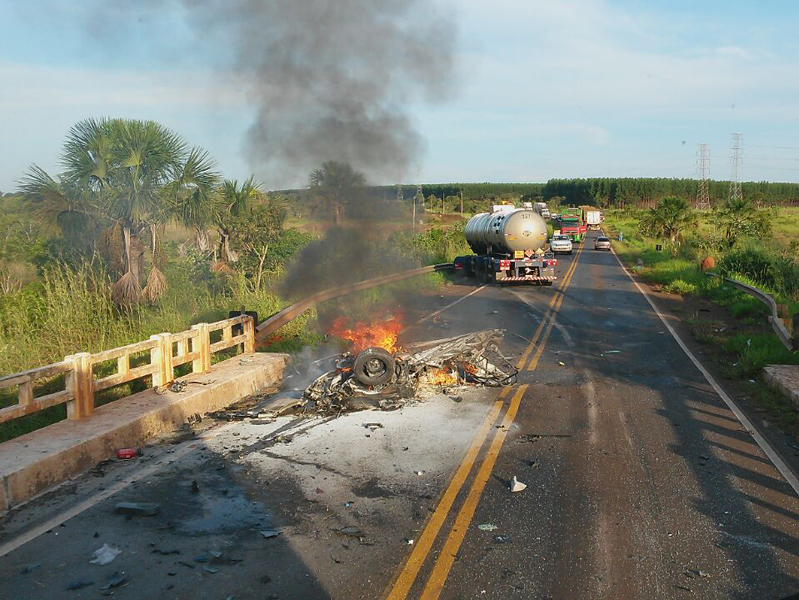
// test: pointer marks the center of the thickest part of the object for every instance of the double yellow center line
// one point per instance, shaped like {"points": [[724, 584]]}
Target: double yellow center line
{"points": [[407, 576]]}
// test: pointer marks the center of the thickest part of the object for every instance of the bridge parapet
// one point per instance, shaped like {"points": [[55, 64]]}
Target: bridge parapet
{"points": [[156, 358]]}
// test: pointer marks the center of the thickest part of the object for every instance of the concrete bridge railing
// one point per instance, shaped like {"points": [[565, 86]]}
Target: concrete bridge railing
{"points": [[166, 352]]}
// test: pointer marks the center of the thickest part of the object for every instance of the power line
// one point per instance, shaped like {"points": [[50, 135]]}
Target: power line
{"points": [[775, 147]]}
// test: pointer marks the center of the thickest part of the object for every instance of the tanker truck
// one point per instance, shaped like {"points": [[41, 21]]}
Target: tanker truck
{"points": [[508, 247]]}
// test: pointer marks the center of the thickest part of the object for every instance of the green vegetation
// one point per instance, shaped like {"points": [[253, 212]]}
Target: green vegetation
{"points": [[630, 192], [141, 235]]}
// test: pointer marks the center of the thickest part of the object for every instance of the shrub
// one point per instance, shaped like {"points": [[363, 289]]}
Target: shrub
{"points": [[680, 286]]}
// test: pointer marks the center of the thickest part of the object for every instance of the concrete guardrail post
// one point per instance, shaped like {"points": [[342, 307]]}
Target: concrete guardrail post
{"points": [[161, 356], [249, 331], [795, 334], [80, 382], [201, 343]]}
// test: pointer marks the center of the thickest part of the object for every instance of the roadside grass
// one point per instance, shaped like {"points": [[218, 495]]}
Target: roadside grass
{"points": [[70, 311], [754, 352]]}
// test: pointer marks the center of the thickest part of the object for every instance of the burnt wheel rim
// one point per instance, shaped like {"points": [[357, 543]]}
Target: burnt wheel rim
{"points": [[375, 366]]}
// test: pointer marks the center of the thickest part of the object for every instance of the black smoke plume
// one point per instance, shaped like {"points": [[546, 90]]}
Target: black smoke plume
{"points": [[327, 79], [332, 79]]}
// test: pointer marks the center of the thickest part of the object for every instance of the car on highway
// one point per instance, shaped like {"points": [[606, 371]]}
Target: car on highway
{"points": [[602, 243], [560, 243]]}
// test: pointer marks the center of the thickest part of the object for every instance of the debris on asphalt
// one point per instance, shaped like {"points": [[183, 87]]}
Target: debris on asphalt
{"points": [[195, 487], [104, 555], [501, 539], [118, 579], [351, 530], [211, 570], [487, 527], [612, 351], [30, 568], [373, 426], [270, 533], [98, 470], [419, 473], [165, 552], [177, 386], [138, 509], [409, 541], [561, 363], [186, 564], [792, 443], [125, 453], [516, 485], [215, 553], [376, 378], [79, 584]]}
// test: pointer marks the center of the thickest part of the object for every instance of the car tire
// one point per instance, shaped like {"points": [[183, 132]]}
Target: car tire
{"points": [[374, 366]]}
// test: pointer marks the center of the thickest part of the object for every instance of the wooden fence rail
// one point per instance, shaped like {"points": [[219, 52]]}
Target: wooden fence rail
{"points": [[166, 351]]}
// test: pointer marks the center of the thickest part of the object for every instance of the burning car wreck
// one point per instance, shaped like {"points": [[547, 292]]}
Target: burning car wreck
{"points": [[377, 377]]}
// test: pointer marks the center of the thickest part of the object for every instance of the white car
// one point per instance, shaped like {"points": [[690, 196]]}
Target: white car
{"points": [[560, 243], [602, 243]]}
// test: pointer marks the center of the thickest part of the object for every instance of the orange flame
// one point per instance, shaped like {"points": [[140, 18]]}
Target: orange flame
{"points": [[365, 335], [441, 377]]}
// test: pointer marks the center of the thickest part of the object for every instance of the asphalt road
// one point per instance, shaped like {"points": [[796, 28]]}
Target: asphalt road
{"points": [[641, 483]]}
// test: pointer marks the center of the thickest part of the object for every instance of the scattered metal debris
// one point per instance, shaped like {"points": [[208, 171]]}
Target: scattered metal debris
{"points": [[141, 509], [351, 530], [104, 555], [375, 378], [79, 584], [30, 568], [270, 533], [118, 579], [516, 485]]}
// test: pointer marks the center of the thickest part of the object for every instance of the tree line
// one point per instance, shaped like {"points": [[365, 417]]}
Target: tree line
{"points": [[621, 192]]}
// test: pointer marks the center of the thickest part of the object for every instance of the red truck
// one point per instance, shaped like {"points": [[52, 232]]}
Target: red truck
{"points": [[572, 224]]}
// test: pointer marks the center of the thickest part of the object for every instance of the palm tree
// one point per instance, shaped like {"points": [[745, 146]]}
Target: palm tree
{"points": [[59, 204], [740, 216], [337, 183], [234, 201], [669, 219], [136, 175]]}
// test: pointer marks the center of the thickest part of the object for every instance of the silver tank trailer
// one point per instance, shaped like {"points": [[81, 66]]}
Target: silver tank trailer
{"points": [[505, 232]]}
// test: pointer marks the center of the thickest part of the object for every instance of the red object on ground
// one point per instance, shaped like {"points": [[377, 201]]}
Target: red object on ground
{"points": [[127, 453]]}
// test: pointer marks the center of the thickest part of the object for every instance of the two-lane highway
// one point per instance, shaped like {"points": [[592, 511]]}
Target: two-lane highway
{"points": [[641, 482]]}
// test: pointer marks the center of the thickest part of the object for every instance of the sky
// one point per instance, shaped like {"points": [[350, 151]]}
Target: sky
{"points": [[541, 89]]}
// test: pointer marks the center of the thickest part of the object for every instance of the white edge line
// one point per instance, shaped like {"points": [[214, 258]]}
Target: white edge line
{"points": [[784, 470], [74, 511], [440, 310]]}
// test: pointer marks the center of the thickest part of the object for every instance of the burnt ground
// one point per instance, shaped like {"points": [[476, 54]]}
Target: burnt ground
{"points": [[640, 481]]}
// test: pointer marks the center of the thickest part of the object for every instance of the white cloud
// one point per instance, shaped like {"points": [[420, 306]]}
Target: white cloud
{"points": [[34, 87]]}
